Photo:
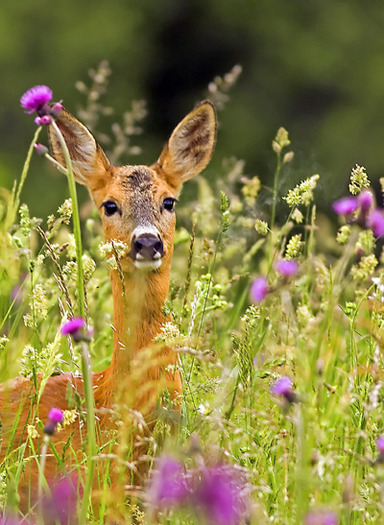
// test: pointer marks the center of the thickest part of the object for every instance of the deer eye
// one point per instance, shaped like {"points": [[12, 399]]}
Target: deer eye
{"points": [[110, 208], [169, 204]]}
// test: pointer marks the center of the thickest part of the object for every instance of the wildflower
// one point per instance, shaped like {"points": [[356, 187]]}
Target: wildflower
{"points": [[343, 234], [168, 485], [366, 201], [221, 495], [320, 517], [73, 327], [40, 149], [297, 216], [380, 448], [346, 206], [294, 246], [261, 227], [365, 268], [55, 416], [36, 98], [375, 221], [60, 505], [287, 268], [281, 140], [45, 120], [56, 109], [259, 289], [302, 193], [283, 387], [359, 180]]}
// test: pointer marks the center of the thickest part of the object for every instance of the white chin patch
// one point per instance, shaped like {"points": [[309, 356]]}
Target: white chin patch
{"points": [[148, 265]]}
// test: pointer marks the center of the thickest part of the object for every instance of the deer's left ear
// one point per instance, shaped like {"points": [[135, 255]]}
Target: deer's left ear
{"points": [[89, 161], [190, 146]]}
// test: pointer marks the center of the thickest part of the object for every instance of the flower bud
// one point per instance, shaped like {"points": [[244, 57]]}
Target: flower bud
{"points": [[41, 149]]}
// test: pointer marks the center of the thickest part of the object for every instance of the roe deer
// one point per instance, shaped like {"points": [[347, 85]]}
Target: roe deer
{"points": [[136, 204]]}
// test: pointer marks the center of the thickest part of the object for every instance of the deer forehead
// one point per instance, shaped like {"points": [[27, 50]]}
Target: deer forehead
{"points": [[129, 184]]}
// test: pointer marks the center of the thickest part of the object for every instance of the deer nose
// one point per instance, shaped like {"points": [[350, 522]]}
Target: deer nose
{"points": [[147, 247]]}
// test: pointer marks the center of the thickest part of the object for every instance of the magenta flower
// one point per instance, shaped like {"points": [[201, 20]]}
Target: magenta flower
{"points": [[287, 268], [74, 328], [375, 221], [259, 289], [380, 444], [283, 388], [36, 98], [60, 505], [55, 416], [221, 495], [56, 109], [366, 201], [45, 120], [320, 517], [168, 485], [346, 205]]}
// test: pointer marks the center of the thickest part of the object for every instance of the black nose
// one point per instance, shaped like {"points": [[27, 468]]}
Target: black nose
{"points": [[147, 247]]}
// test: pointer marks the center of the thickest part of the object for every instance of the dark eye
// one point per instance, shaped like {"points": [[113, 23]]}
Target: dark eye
{"points": [[110, 208], [169, 204]]}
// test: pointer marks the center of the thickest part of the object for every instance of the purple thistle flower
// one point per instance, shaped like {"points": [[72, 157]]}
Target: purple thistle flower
{"points": [[346, 205], [35, 98], [320, 517], [73, 327], [283, 387], [55, 416], [287, 268], [380, 444], [259, 289], [60, 506], [221, 495], [366, 201], [375, 221], [168, 484]]}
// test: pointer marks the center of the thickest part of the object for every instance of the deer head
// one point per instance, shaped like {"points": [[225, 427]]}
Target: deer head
{"points": [[136, 203]]}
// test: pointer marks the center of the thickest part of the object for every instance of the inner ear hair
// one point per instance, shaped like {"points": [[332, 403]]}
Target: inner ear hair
{"points": [[191, 144]]}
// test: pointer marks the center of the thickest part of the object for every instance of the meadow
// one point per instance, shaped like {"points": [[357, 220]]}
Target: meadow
{"points": [[277, 314]]}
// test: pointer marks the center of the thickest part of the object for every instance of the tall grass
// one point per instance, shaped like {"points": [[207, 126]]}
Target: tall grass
{"points": [[311, 451]]}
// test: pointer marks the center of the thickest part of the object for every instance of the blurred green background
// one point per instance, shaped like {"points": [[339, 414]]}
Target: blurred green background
{"points": [[314, 67]]}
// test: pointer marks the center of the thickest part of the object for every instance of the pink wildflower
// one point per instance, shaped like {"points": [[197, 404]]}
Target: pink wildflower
{"points": [[287, 268], [36, 98], [259, 289]]}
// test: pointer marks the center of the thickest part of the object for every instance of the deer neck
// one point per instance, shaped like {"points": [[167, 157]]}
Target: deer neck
{"points": [[138, 301]]}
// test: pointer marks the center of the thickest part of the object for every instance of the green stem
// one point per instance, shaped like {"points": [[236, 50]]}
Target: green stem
{"points": [[76, 220], [24, 173], [85, 359], [43, 458], [274, 193]]}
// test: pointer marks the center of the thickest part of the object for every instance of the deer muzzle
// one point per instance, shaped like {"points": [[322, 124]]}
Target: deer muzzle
{"points": [[147, 250]]}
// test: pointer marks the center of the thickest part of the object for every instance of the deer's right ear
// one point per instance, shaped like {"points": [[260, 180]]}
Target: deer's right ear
{"points": [[87, 157]]}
